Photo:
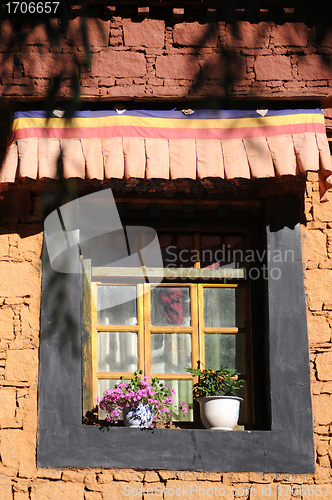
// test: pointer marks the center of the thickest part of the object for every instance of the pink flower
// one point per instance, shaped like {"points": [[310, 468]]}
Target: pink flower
{"points": [[146, 390], [183, 407]]}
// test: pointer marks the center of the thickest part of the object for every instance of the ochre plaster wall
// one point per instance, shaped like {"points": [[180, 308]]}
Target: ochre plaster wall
{"points": [[20, 479]]}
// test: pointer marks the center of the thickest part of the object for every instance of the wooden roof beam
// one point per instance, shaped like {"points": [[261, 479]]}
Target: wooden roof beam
{"points": [[143, 11], [288, 12], [178, 13], [109, 10]]}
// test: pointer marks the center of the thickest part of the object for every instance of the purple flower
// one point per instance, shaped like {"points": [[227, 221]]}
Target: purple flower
{"points": [[146, 390]]}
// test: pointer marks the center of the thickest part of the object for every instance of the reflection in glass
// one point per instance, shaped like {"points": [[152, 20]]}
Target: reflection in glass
{"points": [[170, 306], [170, 352], [121, 314], [117, 352], [223, 307], [226, 349], [183, 393]]}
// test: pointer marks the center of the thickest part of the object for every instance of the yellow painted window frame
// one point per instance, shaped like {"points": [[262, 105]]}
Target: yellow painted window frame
{"points": [[246, 330], [144, 330]]}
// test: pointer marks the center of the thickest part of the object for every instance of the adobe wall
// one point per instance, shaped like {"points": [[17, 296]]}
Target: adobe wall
{"points": [[154, 58], [20, 479]]}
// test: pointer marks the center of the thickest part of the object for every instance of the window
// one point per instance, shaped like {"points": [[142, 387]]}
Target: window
{"points": [[200, 313], [287, 446], [165, 329]]}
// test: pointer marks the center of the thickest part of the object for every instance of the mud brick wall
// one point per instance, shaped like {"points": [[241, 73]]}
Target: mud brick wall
{"points": [[20, 293], [164, 58], [317, 260]]}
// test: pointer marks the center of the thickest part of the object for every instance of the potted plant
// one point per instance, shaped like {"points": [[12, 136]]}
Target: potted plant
{"points": [[144, 401], [215, 392]]}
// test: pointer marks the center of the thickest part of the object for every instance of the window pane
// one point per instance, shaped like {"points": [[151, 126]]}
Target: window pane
{"points": [[212, 250], [224, 349], [104, 384], [120, 314], [183, 394], [223, 307], [170, 306], [177, 250], [108, 249], [239, 307], [117, 352], [170, 352], [222, 251]]}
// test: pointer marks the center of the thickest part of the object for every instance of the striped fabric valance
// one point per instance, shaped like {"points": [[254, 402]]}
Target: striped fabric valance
{"points": [[169, 145]]}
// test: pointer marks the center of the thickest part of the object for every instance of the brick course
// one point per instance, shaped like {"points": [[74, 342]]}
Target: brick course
{"points": [[147, 33], [290, 34], [245, 35], [110, 63], [177, 67], [195, 35], [130, 48], [273, 68]]}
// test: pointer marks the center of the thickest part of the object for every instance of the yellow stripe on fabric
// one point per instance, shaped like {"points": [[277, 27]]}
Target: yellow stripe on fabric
{"points": [[138, 121]]}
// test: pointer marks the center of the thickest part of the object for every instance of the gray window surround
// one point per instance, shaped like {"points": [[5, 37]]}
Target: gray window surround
{"points": [[287, 448]]}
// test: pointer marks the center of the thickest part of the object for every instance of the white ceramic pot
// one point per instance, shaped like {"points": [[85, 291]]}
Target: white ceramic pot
{"points": [[138, 416], [220, 412]]}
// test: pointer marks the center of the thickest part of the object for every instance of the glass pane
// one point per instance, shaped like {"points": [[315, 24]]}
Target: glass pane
{"points": [[117, 352], [183, 394], [108, 249], [120, 314], [221, 308], [170, 352], [170, 306], [222, 251], [239, 307], [224, 349], [177, 250], [212, 250]]}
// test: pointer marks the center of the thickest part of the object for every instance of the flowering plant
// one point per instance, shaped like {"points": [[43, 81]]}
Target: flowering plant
{"points": [[221, 382], [150, 392]]}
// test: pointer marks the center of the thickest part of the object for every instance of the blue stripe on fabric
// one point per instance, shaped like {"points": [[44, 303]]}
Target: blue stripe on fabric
{"points": [[175, 114]]}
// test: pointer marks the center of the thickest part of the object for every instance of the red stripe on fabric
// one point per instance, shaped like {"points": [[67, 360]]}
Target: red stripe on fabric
{"points": [[168, 133]]}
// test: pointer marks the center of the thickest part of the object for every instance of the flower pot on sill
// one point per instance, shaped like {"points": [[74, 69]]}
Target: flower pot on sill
{"points": [[219, 412], [140, 416]]}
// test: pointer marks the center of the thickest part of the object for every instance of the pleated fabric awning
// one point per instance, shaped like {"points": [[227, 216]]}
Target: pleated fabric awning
{"points": [[172, 144]]}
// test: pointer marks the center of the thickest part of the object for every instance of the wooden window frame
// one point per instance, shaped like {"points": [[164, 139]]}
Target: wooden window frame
{"points": [[144, 330], [126, 276]]}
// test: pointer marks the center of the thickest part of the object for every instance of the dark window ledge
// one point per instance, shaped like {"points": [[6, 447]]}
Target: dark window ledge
{"points": [[287, 448]]}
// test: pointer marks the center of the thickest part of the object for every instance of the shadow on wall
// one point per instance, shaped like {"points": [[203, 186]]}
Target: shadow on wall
{"points": [[68, 66]]}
